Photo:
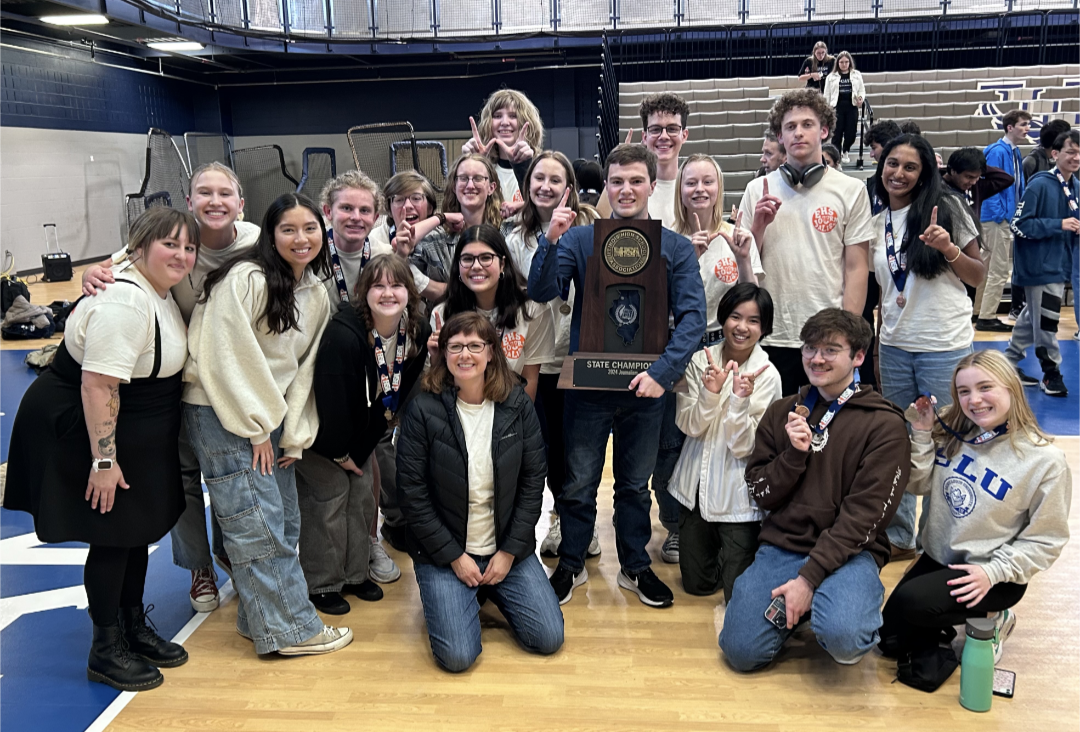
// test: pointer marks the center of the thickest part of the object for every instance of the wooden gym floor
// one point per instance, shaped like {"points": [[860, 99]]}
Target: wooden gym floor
{"points": [[623, 667]]}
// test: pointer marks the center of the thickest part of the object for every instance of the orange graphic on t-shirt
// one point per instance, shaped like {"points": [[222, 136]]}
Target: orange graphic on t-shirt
{"points": [[726, 270], [824, 219], [513, 345], [518, 198]]}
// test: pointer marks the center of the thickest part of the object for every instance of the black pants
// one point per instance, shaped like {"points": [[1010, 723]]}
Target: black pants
{"points": [[920, 607], [788, 361], [114, 577], [847, 120], [549, 409], [713, 555], [868, 371]]}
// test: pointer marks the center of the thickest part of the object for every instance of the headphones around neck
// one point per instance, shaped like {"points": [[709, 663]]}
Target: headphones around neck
{"points": [[808, 177]]}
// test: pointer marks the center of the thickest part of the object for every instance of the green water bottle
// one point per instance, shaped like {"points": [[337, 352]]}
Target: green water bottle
{"points": [[977, 666]]}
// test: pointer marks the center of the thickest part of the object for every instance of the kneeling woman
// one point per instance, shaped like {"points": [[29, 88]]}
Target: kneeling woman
{"points": [[998, 513], [470, 471], [93, 448]]}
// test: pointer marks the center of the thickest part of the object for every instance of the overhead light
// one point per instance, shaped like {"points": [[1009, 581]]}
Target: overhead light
{"points": [[74, 19], [175, 45]]}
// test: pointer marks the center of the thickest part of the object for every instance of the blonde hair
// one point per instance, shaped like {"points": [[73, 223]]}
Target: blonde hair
{"points": [[813, 58], [215, 167], [1021, 419], [682, 219], [492, 210], [350, 179], [526, 112], [836, 63]]}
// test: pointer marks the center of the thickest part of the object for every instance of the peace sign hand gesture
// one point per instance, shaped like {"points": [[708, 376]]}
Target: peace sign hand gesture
{"points": [[713, 377], [562, 218], [700, 239], [743, 384], [519, 149], [936, 236], [476, 144]]}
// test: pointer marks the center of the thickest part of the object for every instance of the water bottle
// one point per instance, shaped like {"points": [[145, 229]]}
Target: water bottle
{"points": [[977, 665]]}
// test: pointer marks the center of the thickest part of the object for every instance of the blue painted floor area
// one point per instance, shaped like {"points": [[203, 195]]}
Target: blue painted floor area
{"points": [[15, 377], [1056, 415]]}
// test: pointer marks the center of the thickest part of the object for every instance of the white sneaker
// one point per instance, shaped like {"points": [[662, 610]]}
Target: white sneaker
{"points": [[594, 545], [1004, 624], [845, 158], [328, 640], [549, 547], [381, 567], [204, 591], [669, 551]]}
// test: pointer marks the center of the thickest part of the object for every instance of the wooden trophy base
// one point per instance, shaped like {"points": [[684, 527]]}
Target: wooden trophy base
{"points": [[607, 371]]}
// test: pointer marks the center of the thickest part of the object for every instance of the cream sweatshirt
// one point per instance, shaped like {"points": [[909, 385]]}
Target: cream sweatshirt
{"points": [[256, 380], [1000, 505]]}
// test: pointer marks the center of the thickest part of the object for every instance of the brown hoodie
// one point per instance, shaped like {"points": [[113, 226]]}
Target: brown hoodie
{"points": [[835, 503]]}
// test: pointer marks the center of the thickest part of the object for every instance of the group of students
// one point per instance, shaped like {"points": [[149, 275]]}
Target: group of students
{"points": [[414, 362]]}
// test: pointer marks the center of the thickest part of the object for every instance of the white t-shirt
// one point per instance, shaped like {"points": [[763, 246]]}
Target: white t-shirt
{"points": [[662, 203], [509, 184], [350, 269], [720, 272], [522, 250], [936, 316], [803, 251], [112, 333], [530, 342], [476, 423]]}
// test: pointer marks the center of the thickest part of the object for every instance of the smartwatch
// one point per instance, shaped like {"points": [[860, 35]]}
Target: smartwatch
{"points": [[102, 464]]}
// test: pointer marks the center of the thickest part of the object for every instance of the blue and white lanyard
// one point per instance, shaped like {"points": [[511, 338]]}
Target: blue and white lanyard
{"points": [[834, 408], [897, 260], [391, 385]]}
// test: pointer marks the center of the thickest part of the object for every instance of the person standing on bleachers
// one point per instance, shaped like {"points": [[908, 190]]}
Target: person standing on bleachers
{"points": [[816, 67], [812, 227], [845, 91], [664, 120], [997, 213], [773, 155]]}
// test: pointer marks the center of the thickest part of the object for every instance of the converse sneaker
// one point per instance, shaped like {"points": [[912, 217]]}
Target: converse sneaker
{"points": [[648, 587], [1053, 385], [563, 582], [669, 551], [328, 640], [594, 545], [549, 547], [1025, 379], [381, 567], [1004, 624], [331, 603], [204, 591]]}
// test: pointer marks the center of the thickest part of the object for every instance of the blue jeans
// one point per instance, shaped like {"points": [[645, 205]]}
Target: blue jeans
{"points": [[451, 610], [635, 427], [845, 613], [260, 525], [190, 548], [904, 376], [671, 442]]}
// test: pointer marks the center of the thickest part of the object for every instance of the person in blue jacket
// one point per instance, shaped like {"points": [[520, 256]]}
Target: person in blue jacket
{"points": [[635, 416], [997, 213], [1046, 228]]}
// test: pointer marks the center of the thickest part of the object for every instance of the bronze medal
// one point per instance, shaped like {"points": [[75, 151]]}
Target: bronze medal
{"points": [[802, 411], [911, 414], [389, 415], [565, 308], [901, 300]]}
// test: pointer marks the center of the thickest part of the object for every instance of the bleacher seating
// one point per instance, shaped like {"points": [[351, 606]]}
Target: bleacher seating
{"points": [[953, 107]]}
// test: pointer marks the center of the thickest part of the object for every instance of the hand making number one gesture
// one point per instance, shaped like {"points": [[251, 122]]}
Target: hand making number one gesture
{"points": [[700, 239], [515, 151], [766, 207], [936, 236], [562, 218], [740, 240]]}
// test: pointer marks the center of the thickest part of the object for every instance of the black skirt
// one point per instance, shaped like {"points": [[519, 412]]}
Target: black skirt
{"points": [[49, 460]]}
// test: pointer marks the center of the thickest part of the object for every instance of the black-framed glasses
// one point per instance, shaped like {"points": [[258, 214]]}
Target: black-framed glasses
{"points": [[466, 261], [828, 353], [657, 130], [416, 198], [476, 180], [474, 347]]}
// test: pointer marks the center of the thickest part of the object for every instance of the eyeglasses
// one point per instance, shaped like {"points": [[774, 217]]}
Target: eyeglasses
{"points": [[466, 261], [476, 180], [416, 198], [657, 130], [474, 347], [828, 353]]}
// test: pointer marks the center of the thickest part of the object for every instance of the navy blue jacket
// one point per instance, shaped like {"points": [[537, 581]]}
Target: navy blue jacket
{"points": [[551, 276], [1042, 252]]}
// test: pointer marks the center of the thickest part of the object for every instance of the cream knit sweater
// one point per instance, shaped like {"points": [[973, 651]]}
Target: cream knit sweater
{"points": [[255, 380]]}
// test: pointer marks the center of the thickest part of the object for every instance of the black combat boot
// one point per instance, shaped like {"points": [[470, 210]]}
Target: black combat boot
{"points": [[113, 664], [144, 641]]}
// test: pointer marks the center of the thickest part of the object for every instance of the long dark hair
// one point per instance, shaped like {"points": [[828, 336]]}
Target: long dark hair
{"points": [[281, 313], [400, 274], [510, 296], [930, 191]]}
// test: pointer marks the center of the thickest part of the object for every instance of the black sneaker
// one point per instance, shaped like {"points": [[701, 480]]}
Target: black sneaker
{"points": [[648, 587], [367, 591], [563, 581], [331, 603], [1053, 385], [993, 325], [1027, 380]]}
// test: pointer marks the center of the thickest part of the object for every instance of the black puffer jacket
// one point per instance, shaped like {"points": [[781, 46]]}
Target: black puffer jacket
{"points": [[433, 476]]}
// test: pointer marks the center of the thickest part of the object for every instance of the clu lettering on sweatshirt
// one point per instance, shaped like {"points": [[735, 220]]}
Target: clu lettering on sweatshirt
{"points": [[986, 478]]}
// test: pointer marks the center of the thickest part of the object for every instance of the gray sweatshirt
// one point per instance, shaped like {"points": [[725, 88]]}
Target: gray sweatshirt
{"points": [[1003, 505]]}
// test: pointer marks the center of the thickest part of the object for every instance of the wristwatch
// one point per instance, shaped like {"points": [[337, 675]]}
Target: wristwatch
{"points": [[342, 460], [102, 464]]}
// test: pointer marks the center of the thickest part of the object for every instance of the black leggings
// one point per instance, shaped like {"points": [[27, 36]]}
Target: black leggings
{"points": [[847, 119], [114, 577], [920, 607]]}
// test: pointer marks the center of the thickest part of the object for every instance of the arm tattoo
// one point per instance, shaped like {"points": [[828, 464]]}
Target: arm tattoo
{"points": [[114, 400], [107, 445]]}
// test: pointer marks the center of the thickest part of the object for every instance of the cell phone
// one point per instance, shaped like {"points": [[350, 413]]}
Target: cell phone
{"points": [[776, 613], [1004, 683]]}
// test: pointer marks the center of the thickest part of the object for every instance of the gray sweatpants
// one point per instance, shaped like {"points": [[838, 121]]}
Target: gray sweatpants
{"points": [[1038, 326]]}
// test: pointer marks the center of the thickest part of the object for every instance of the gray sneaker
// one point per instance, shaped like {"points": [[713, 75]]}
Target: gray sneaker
{"points": [[549, 547], [594, 545], [381, 567], [669, 551], [328, 640]]}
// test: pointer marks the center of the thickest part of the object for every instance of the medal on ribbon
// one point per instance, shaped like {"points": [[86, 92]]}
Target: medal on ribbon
{"points": [[820, 436], [897, 260], [925, 400], [390, 383]]}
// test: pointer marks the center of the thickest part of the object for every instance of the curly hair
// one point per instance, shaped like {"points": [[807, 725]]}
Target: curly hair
{"points": [[350, 179], [812, 99], [664, 102]]}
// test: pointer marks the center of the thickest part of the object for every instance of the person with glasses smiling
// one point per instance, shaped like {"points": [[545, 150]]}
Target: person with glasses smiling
{"points": [[829, 466], [664, 120]]}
